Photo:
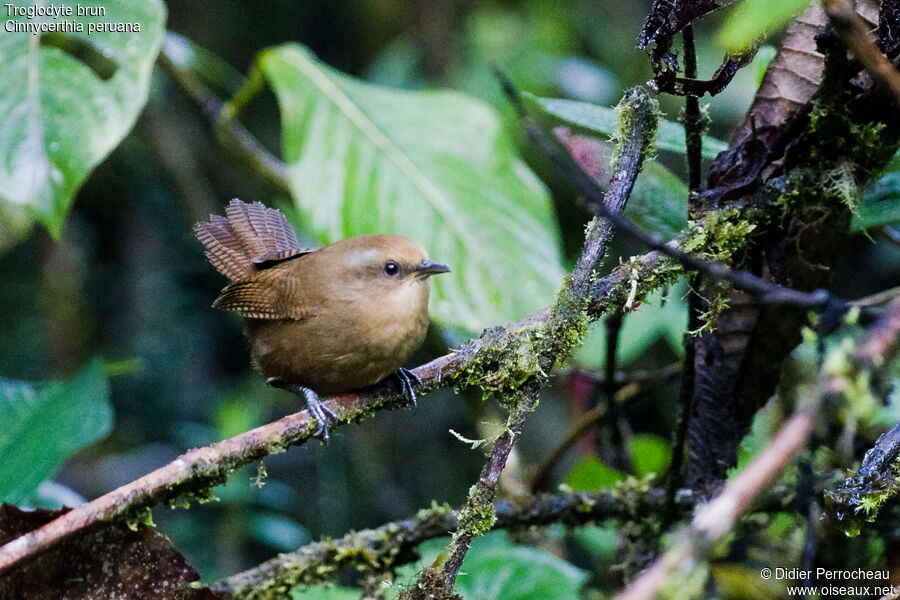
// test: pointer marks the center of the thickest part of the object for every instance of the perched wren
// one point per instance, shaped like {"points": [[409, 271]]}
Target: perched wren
{"points": [[324, 321]]}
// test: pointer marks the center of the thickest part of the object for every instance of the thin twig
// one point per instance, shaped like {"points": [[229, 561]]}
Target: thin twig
{"points": [[693, 120], [877, 299], [618, 455], [487, 483], [718, 517], [892, 234], [854, 32], [643, 377], [693, 133]]}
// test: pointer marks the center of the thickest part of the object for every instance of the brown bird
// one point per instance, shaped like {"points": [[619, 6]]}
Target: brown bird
{"points": [[324, 321]]}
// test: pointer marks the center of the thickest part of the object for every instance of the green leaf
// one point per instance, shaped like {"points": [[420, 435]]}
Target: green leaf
{"points": [[590, 474], [880, 205], [753, 19], [67, 100], [435, 166], [45, 423], [496, 570], [603, 120], [649, 454]]}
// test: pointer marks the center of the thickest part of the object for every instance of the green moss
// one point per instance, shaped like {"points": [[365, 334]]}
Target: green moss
{"points": [[719, 235], [504, 361], [478, 517], [505, 358], [140, 516], [858, 500], [202, 493], [636, 105], [838, 137], [261, 474]]}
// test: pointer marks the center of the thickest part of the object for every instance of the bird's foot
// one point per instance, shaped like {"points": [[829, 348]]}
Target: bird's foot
{"points": [[317, 409], [408, 382]]}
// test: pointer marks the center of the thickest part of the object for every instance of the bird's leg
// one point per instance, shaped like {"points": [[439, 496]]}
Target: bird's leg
{"points": [[408, 381], [320, 413]]}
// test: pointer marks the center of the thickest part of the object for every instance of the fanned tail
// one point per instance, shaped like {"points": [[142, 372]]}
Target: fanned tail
{"points": [[249, 237]]}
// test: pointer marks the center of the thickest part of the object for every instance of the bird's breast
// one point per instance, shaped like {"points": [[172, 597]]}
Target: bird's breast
{"points": [[345, 344]]}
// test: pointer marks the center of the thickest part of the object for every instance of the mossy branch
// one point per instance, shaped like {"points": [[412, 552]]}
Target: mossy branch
{"points": [[393, 544]]}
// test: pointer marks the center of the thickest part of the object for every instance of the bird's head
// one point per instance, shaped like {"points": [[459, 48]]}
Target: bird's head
{"points": [[385, 264]]}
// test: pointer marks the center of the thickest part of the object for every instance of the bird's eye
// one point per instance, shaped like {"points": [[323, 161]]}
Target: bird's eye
{"points": [[391, 268]]}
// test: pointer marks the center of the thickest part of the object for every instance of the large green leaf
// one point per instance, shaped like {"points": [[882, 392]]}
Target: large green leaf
{"points": [[63, 111], [435, 166], [603, 120], [44, 424]]}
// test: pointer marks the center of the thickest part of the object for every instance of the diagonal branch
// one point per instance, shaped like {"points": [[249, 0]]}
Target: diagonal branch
{"points": [[765, 291], [474, 516]]}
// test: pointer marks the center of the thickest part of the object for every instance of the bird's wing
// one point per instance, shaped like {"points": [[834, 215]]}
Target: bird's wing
{"points": [[270, 259], [250, 238], [261, 299]]}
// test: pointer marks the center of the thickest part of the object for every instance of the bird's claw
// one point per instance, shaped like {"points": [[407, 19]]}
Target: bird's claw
{"points": [[317, 409], [320, 412], [408, 380]]}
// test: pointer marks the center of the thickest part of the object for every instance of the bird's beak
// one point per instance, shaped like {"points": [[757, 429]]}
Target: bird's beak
{"points": [[427, 267]]}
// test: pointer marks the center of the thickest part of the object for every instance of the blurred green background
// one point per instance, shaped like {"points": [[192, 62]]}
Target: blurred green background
{"points": [[128, 281]]}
